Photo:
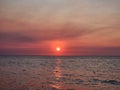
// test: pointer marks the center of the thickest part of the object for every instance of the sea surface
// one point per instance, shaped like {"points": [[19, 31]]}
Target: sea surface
{"points": [[59, 73]]}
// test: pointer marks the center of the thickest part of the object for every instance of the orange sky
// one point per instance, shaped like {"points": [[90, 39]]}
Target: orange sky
{"points": [[79, 27]]}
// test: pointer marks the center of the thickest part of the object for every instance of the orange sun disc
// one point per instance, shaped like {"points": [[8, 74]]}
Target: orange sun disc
{"points": [[58, 49]]}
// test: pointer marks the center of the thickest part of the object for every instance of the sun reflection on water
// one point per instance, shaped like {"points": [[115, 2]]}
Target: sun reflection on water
{"points": [[58, 75]]}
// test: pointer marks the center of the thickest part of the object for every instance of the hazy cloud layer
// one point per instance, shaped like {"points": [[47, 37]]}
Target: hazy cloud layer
{"points": [[98, 51]]}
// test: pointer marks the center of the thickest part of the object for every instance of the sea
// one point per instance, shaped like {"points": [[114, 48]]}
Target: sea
{"points": [[59, 72]]}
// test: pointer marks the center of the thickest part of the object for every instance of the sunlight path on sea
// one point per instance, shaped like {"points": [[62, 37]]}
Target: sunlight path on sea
{"points": [[58, 75]]}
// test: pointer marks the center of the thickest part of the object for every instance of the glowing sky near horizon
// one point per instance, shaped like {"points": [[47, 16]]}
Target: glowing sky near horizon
{"points": [[79, 27]]}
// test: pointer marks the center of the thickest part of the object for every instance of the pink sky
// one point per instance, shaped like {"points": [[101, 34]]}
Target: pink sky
{"points": [[79, 27]]}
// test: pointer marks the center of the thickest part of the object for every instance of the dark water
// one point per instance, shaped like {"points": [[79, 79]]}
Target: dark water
{"points": [[59, 73]]}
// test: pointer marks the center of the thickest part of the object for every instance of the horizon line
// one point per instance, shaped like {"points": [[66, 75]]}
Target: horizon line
{"points": [[67, 55]]}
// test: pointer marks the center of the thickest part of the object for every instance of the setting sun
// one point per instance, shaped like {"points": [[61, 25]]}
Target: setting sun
{"points": [[57, 48]]}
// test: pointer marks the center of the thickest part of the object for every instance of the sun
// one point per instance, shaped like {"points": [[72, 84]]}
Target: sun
{"points": [[58, 49]]}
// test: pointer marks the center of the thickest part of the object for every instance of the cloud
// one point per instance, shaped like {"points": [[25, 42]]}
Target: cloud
{"points": [[94, 50], [15, 37], [98, 51], [67, 31]]}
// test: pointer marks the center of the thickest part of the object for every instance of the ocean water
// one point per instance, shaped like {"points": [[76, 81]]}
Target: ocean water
{"points": [[59, 73]]}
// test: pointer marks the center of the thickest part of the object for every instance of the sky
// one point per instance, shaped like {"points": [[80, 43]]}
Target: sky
{"points": [[78, 27]]}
